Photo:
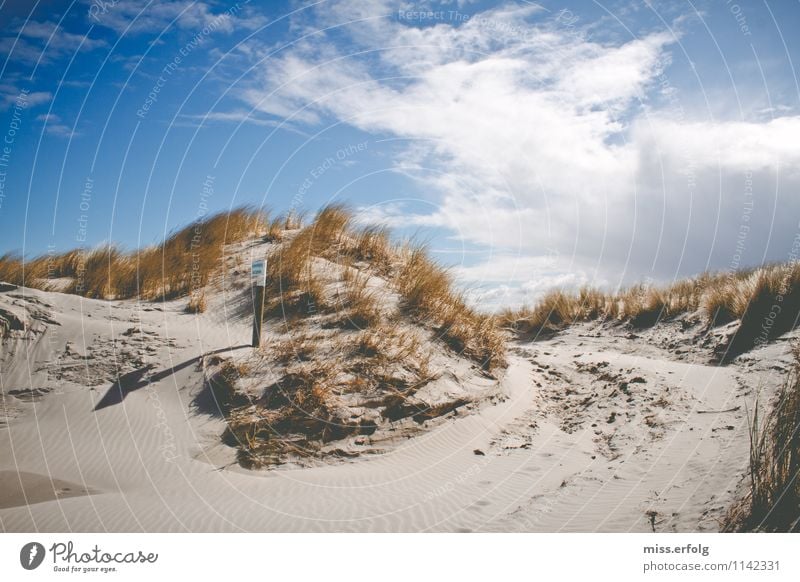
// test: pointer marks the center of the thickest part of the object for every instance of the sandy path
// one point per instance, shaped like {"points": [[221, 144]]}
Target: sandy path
{"points": [[685, 467]]}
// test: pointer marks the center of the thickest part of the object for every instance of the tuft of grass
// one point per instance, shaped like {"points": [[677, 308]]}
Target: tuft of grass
{"points": [[293, 288], [294, 415], [427, 293], [773, 503], [359, 306], [290, 266], [278, 227], [298, 347], [389, 345], [197, 303], [293, 220], [556, 310], [593, 304], [371, 245], [219, 395], [326, 234], [11, 269], [423, 285], [768, 304]]}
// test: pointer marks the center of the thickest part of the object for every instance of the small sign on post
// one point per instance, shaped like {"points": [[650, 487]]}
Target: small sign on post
{"points": [[258, 273]]}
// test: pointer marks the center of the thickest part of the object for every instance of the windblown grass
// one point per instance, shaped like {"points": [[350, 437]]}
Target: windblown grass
{"points": [[358, 302], [371, 246], [293, 288], [772, 306], [766, 302], [773, 503], [556, 310], [297, 289], [197, 303], [427, 293], [183, 263], [280, 225]]}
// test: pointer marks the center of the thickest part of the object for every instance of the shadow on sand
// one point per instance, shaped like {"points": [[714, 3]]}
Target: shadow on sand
{"points": [[139, 378]]}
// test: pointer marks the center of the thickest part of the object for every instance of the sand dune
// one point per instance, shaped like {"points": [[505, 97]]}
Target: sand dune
{"points": [[593, 430]]}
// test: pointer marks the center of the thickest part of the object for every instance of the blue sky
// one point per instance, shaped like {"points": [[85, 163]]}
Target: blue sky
{"points": [[534, 144]]}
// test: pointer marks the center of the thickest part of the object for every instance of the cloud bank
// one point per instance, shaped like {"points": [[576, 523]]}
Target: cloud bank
{"points": [[568, 156]]}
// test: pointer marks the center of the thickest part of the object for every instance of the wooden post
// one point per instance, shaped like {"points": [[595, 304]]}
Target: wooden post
{"points": [[259, 275], [258, 315]]}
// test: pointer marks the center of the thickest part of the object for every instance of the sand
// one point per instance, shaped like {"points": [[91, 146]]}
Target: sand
{"points": [[18, 488], [595, 429]]}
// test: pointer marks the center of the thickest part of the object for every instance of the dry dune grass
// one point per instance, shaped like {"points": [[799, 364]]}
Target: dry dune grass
{"points": [[318, 373], [11, 269], [288, 419], [290, 265], [297, 288], [277, 227], [765, 300], [14, 270], [183, 263], [371, 245], [773, 503], [327, 232], [299, 347], [428, 294], [361, 309], [555, 310], [423, 284], [197, 303], [767, 303]]}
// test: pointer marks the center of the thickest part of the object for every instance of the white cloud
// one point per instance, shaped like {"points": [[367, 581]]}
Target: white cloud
{"points": [[152, 17], [541, 142], [236, 116], [44, 42], [57, 38], [10, 94], [731, 145], [54, 126]]}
